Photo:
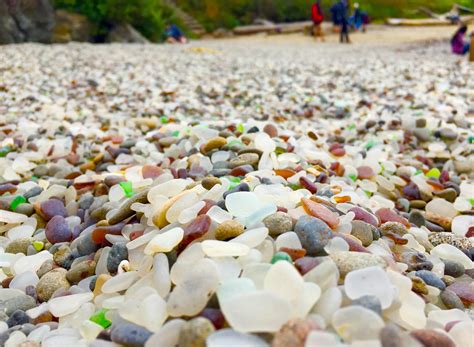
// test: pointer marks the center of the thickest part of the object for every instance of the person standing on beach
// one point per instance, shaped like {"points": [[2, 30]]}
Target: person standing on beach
{"points": [[341, 14], [317, 17]]}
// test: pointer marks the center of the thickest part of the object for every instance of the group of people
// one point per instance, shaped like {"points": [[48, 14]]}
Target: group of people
{"points": [[340, 18]]}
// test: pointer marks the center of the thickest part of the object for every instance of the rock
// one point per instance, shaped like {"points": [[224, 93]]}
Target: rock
{"points": [[432, 338], [80, 271], [278, 223], [57, 230], [363, 231], [430, 279], [228, 230], [71, 27], [451, 300], [350, 261], [214, 143], [125, 33], [26, 21], [130, 334], [117, 253], [420, 122], [416, 261], [244, 159], [294, 333], [195, 332], [50, 282], [209, 182], [448, 194], [393, 227], [63, 256], [313, 233], [417, 218], [370, 302], [18, 317], [453, 268], [18, 246], [20, 302]]}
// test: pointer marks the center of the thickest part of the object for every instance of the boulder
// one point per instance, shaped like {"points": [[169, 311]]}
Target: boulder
{"points": [[26, 21], [71, 27], [125, 33]]}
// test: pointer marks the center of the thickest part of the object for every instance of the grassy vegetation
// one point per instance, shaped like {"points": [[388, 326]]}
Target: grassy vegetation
{"points": [[150, 16], [229, 13]]}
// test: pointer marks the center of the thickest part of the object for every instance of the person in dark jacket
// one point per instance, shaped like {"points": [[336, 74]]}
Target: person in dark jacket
{"points": [[317, 17], [341, 13], [174, 34]]}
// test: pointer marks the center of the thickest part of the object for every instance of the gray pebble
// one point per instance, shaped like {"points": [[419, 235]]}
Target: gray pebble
{"points": [[117, 253], [451, 300], [130, 335], [452, 268], [431, 279], [313, 233]]}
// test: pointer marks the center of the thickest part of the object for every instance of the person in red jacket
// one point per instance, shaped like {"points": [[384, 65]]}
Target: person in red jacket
{"points": [[317, 17]]}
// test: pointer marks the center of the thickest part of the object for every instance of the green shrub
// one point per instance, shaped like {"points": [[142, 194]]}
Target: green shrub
{"points": [[147, 16]]}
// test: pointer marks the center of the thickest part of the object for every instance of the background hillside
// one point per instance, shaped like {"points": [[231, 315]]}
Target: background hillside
{"points": [[151, 16]]}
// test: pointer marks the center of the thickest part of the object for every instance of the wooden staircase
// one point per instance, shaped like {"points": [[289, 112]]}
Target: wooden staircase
{"points": [[190, 22]]}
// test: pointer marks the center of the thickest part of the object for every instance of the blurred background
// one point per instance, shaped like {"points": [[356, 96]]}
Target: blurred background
{"points": [[135, 20]]}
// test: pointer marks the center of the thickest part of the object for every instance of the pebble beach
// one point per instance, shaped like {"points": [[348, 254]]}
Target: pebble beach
{"points": [[236, 193]]}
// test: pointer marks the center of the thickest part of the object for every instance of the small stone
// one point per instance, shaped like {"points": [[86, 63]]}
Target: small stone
{"points": [[51, 208], [448, 194], [278, 223], [130, 334], [350, 261], [370, 302], [117, 253], [80, 271], [417, 218], [271, 130], [294, 333], [363, 231], [313, 233], [50, 282], [451, 300], [432, 338], [57, 230], [245, 159], [195, 332], [214, 143], [430, 279], [229, 229], [18, 246], [393, 227], [453, 268], [19, 302], [18, 317], [418, 204], [63, 256], [26, 209], [420, 122], [209, 182]]}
